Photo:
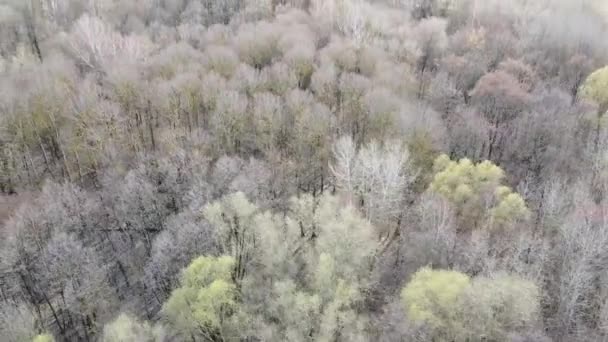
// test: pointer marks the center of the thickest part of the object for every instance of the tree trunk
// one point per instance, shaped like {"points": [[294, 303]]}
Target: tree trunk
{"points": [[31, 29]]}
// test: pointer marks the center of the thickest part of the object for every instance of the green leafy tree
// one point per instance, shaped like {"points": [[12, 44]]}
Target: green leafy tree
{"points": [[595, 88], [202, 306], [475, 188], [458, 308], [432, 295]]}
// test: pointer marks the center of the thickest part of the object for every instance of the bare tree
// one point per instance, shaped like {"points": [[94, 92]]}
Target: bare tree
{"points": [[96, 43], [500, 99], [376, 179]]}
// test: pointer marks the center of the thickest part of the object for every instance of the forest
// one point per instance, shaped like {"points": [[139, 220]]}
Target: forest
{"points": [[303, 170]]}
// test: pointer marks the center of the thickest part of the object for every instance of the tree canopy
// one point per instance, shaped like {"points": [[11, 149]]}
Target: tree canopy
{"points": [[303, 170]]}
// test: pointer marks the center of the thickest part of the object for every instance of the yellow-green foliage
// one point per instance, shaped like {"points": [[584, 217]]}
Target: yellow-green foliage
{"points": [[461, 181], [207, 295], [44, 338], [459, 308], [510, 205], [596, 88], [433, 294], [126, 329], [472, 188], [206, 270]]}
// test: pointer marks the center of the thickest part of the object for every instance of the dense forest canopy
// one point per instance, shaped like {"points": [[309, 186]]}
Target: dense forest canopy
{"points": [[303, 170]]}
